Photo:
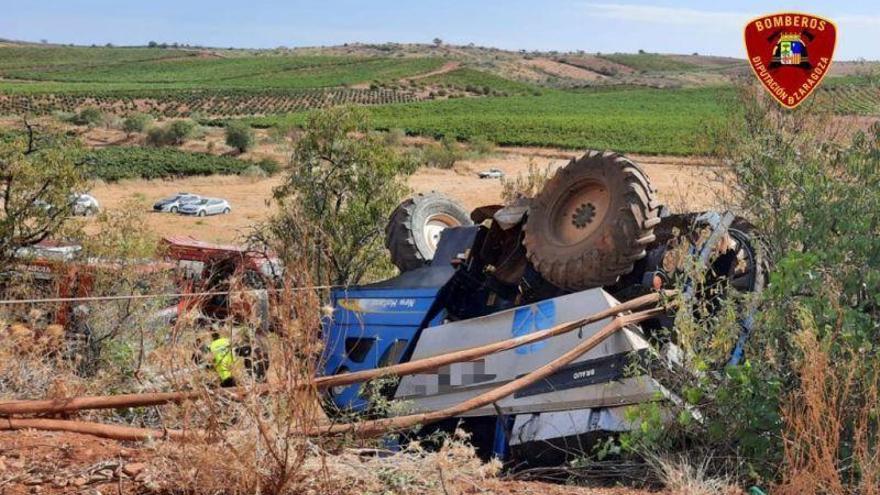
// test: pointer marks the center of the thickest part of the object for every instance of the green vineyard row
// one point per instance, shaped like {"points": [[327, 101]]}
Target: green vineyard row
{"points": [[220, 103]]}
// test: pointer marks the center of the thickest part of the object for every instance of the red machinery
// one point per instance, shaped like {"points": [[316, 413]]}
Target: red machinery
{"points": [[205, 267], [57, 271]]}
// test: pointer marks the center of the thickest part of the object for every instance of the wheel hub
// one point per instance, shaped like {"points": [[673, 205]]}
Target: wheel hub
{"points": [[583, 215], [434, 226], [579, 211]]}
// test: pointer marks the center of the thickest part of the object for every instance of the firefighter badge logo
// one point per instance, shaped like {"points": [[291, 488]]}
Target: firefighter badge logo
{"points": [[790, 53]]}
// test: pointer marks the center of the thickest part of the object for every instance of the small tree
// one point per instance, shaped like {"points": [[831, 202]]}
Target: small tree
{"points": [[38, 173], [181, 130], [437, 42], [137, 122], [334, 203], [158, 136], [240, 136], [89, 116]]}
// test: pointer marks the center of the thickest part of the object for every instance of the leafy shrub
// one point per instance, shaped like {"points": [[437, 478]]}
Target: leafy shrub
{"points": [[89, 116], [175, 133], [481, 145], [802, 409], [255, 172], [181, 130], [137, 122], [443, 155], [240, 136], [342, 183], [269, 165], [159, 136]]}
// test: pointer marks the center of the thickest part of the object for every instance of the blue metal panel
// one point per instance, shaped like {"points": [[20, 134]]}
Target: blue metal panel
{"points": [[532, 318], [383, 317], [501, 444]]}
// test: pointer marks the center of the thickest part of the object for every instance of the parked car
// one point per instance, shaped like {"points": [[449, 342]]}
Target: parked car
{"points": [[84, 204], [43, 205], [80, 204], [206, 206], [492, 173], [172, 204]]}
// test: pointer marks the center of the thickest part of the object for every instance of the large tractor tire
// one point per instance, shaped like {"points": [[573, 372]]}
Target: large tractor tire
{"points": [[591, 221], [414, 228]]}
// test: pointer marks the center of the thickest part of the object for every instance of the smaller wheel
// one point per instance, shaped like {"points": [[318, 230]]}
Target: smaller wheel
{"points": [[173, 209], [414, 228], [201, 213], [226, 211]]}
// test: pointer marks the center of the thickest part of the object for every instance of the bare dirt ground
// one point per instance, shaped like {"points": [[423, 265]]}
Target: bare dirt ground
{"points": [[447, 67], [597, 64], [565, 70], [50, 463], [681, 182]]}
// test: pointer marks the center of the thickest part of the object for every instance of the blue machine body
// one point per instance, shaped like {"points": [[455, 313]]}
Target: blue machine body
{"points": [[370, 328], [378, 324]]}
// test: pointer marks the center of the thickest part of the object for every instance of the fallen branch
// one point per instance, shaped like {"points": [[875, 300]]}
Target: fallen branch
{"points": [[71, 404], [114, 432]]}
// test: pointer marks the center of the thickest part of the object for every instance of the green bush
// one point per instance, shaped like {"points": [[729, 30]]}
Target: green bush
{"points": [[181, 130], [342, 183], [269, 165], [443, 155], [481, 145], [175, 133], [137, 122], [813, 350], [89, 116], [159, 136], [240, 136]]}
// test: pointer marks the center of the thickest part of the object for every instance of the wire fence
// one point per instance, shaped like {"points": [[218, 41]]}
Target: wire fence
{"points": [[166, 295]]}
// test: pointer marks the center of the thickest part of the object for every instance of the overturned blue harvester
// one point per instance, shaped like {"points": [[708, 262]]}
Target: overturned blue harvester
{"points": [[593, 237]]}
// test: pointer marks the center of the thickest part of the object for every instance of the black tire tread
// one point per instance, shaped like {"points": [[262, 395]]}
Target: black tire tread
{"points": [[399, 238]]}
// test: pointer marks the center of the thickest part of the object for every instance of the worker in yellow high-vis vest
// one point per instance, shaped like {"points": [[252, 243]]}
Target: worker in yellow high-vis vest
{"points": [[224, 359]]}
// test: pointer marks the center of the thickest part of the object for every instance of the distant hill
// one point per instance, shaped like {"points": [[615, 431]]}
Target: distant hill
{"points": [[172, 80]]}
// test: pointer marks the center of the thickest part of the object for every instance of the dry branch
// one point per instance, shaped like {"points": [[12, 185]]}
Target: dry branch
{"points": [[114, 432]]}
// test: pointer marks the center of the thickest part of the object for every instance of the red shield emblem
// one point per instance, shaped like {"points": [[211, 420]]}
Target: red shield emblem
{"points": [[790, 53]]}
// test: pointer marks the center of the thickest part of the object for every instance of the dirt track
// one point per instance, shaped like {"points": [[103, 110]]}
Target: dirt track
{"points": [[682, 183]]}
